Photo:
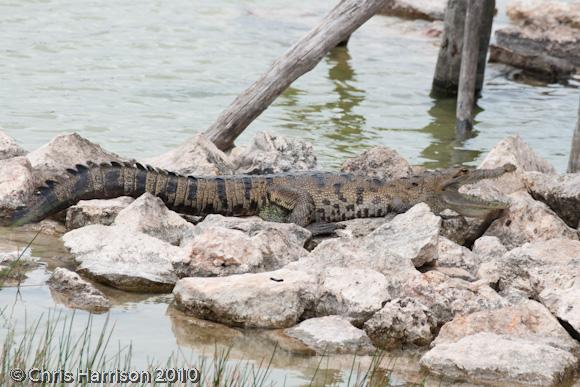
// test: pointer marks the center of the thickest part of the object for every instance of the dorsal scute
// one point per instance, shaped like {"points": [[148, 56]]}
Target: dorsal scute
{"points": [[116, 164], [140, 166], [82, 167]]}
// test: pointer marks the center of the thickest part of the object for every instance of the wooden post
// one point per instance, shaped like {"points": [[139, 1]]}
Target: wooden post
{"points": [[302, 57], [446, 77], [469, 61], [484, 37], [574, 162]]}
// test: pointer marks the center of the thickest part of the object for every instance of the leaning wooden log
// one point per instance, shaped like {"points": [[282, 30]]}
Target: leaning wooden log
{"points": [[468, 72], [302, 57], [574, 163]]}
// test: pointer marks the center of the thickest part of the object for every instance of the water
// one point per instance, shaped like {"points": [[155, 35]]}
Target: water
{"points": [[140, 77]]}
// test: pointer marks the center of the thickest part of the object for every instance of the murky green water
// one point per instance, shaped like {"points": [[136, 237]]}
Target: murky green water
{"points": [[140, 77]]}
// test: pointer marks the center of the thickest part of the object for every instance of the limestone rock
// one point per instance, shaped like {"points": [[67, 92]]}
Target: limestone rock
{"points": [[352, 293], [492, 358], [560, 193], [199, 156], [16, 184], [511, 150], [415, 9], [450, 254], [378, 162], [401, 322], [488, 248], [65, 151], [360, 227], [97, 211], [459, 229], [274, 299], [270, 153], [9, 148], [123, 259], [75, 292], [544, 14], [331, 334], [528, 220], [14, 266], [528, 320], [148, 215]]}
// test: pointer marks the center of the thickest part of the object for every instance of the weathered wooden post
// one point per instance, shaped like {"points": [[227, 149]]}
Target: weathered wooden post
{"points": [[302, 57], [574, 162], [468, 71]]}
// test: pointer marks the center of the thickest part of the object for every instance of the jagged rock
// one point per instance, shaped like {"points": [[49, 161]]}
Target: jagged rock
{"points": [[560, 193], [51, 160], [528, 220], [148, 215], [354, 294], [413, 235], [331, 334], [455, 272], [378, 162], [14, 266], [488, 248], [356, 228], [452, 255], [48, 227], [401, 322], [273, 154], [528, 320], [275, 299], [544, 14], [9, 148], [447, 297], [415, 9], [459, 229], [97, 211], [72, 290], [16, 184], [126, 260], [511, 150], [199, 156], [492, 358]]}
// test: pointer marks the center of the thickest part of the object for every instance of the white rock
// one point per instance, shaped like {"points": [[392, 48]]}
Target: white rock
{"points": [[528, 320], [9, 148], [352, 293], [331, 334], [65, 151], [544, 14], [401, 322], [149, 215], [360, 227], [268, 153], [75, 292], [450, 254], [199, 156], [125, 260], [415, 9], [488, 248], [560, 193], [16, 184], [97, 211], [276, 299], [378, 162], [528, 220]]}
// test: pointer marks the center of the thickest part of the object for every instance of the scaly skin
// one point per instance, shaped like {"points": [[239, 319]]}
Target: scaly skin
{"points": [[301, 198]]}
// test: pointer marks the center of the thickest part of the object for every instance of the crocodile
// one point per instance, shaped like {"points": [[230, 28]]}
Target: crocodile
{"points": [[304, 198]]}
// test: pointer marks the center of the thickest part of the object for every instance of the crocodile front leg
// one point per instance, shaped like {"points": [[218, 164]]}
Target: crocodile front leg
{"points": [[288, 204]]}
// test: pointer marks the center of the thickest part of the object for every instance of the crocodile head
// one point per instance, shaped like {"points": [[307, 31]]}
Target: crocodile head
{"points": [[469, 205]]}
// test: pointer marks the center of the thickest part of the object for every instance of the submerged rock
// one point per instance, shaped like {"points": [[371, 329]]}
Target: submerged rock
{"points": [[224, 246], [72, 290], [97, 211], [378, 162], [16, 184], [415, 9], [269, 153], [9, 148], [51, 160], [528, 220], [149, 215], [14, 266], [352, 293], [331, 334], [560, 193], [400, 323], [276, 299], [126, 260], [199, 156], [493, 358]]}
